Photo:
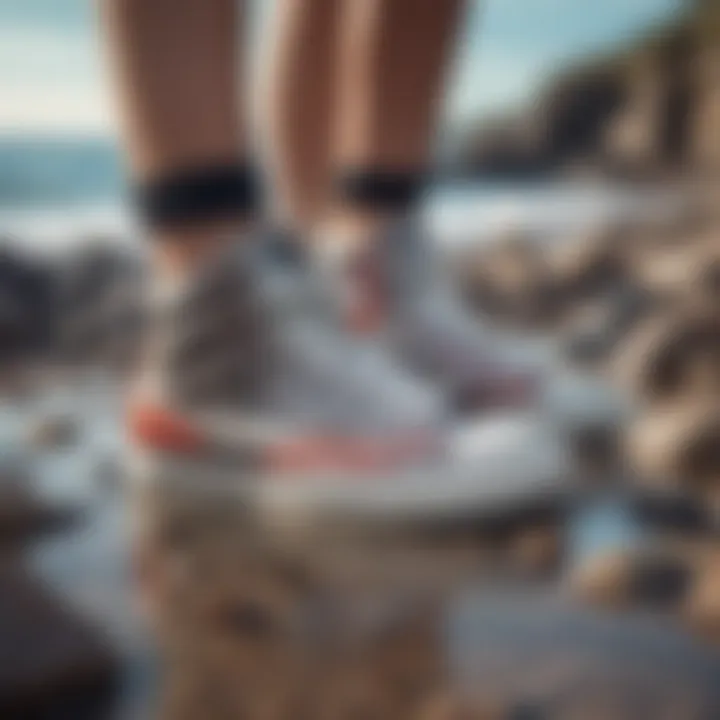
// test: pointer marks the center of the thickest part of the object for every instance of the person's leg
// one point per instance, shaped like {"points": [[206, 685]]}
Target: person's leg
{"points": [[393, 60], [393, 57], [178, 77], [297, 103]]}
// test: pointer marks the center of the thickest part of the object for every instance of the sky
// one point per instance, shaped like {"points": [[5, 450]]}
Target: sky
{"points": [[53, 78]]}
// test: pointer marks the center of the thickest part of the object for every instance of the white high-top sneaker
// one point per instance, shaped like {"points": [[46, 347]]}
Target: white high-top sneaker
{"points": [[250, 388], [416, 310]]}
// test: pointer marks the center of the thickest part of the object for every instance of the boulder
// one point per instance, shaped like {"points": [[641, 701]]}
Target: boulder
{"points": [[690, 269], [27, 304], [54, 432], [677, 447], [52, 663], [508, 281], [702, 608], [101, 304], [546, 659], [675, 354], [22, 514], [589, 266], [644, 578], [673, 511], [537, 551], [597, 329]]}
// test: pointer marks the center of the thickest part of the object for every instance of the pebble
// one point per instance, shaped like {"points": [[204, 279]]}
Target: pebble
{"points": [[702, 609], [54, 432], [672, 355], [648, 578], [677, 447]]}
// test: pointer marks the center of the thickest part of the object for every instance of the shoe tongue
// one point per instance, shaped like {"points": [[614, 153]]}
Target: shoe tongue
{"points": [[410, 258], [284, 250], [360, 281], [375, 278]]}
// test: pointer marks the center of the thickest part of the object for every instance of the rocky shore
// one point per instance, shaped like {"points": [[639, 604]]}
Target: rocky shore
{"points": [[510, 617], [53, 661], [505, 619], [647, 109]]}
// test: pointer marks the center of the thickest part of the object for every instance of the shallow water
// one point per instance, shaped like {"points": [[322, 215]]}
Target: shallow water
{"points": [[88, 565]]}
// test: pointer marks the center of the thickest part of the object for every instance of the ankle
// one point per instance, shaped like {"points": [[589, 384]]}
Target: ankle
{"points": [[193, 211], [369, 199], [352, 229], [181, 250]]}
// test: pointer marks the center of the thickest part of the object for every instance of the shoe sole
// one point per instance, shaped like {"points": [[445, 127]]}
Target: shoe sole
{"points": [[490, 483]]}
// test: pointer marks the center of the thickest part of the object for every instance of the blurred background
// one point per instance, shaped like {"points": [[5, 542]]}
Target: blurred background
{"points": [[576, 199], [540, 87]]}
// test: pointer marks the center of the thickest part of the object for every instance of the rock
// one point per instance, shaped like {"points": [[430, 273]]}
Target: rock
{"points": [[27, 302], [643, 578], [596, 448], [54, 432], [596, 330], [587, 267], [705, 145], [587, 409], [537, 551], [689, 269], [507, 280], [379, 649], [23, 515], [702, 608], [677, 446], [101, 304], [453, 707], [604, 581], [93, 269], [555, 661], [51, 662], [648, 110], [565, 122], [675, 354], [456, 707], [107, 332], [674, 512]]}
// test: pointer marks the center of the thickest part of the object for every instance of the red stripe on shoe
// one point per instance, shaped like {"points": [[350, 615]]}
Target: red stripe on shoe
{"points": [[369, 303], [342, 454], [162, 429]]}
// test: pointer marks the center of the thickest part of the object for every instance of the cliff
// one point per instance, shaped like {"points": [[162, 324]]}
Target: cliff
{"points": [[650, 108]]}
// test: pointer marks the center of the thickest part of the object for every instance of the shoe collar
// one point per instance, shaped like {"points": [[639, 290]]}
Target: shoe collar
{"points": [[391, 260]]}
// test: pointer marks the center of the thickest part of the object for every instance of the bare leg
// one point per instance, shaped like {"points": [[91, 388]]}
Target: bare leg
{"points": [[393, 55], [178, 79], [392, 60], [297, 106]]}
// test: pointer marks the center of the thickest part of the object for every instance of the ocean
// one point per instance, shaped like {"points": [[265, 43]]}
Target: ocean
{"points": [[58, 191], [460, 214]]}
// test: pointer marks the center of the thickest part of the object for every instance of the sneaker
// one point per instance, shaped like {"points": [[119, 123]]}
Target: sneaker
{"points": [[395, 289], [251, 389]]}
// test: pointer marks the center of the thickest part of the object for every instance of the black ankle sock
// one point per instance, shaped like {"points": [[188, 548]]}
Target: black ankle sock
{"points": [[380, 190], [199, 194]]}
